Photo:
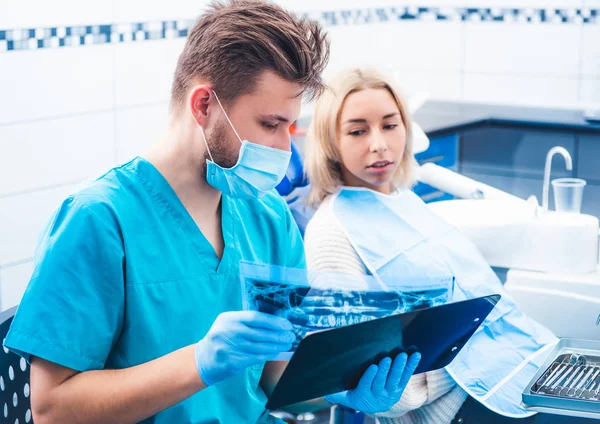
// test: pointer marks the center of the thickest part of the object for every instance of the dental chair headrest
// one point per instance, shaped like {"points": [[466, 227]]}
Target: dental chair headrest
{"points": [[294, 177]]}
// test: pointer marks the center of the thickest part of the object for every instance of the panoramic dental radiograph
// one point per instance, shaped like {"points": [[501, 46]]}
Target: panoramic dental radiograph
{"points": [[315, 301]]}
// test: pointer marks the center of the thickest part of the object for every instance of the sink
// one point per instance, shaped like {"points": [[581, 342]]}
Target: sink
{"points": [[521, 235], [558, 300]]}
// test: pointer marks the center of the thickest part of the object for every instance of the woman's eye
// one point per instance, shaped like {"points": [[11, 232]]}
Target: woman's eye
{"points": [[390, 126], [356, 132]]}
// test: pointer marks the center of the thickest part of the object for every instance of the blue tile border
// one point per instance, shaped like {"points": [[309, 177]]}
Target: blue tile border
{"points": [[523, 15], [66, 36]]}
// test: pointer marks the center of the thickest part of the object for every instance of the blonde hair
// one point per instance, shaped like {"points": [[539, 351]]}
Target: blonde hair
{"points": [[323, 159]]}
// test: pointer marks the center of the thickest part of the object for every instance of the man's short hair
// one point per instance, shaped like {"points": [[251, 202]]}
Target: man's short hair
{"points": [[236, 40]]}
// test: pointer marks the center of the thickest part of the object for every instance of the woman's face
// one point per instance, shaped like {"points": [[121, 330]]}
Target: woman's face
{"points": [[371, 139]]}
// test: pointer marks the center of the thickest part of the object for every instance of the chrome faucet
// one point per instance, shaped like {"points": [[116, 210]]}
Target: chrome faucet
{"points": [[547, 169]]}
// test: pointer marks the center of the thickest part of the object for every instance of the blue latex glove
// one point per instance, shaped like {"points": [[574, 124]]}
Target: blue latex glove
{"points": [[381, 386], [238, 340]]}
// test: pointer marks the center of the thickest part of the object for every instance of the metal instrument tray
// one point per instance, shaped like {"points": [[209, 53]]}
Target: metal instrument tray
{"points": [[568, 383]]}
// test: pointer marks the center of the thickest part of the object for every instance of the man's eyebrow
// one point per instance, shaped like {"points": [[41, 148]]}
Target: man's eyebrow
{"points": [[275, 118]]}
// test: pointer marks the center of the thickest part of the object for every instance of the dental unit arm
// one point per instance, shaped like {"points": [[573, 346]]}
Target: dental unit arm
{"points": [[460, 186]]}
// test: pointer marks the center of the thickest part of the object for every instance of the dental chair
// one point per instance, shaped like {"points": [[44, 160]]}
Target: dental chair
{"points": [[14, 379], [294, 188], [552, 258]]}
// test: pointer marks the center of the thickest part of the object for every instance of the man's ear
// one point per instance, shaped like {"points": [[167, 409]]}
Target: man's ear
{"points": [[199, 100]]}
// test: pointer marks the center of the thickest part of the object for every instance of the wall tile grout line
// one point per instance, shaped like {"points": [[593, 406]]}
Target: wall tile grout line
{"points": [[114, 90], [580, 64], [8, 195], [525, 74], [55, 117], [115, 109], [18, 262], [84, 113], [463, 59]]}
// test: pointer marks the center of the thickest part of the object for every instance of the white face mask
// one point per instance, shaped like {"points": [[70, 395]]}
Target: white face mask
{"points": [[259, 168]]}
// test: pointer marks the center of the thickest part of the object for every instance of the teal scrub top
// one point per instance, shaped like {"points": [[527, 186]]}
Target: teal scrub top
{"points": [[123, 275]]}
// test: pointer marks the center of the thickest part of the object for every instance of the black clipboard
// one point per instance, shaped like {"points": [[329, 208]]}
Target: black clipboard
{"points": [[333, 360]]}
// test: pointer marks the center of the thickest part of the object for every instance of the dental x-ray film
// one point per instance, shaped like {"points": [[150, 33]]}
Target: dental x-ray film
{"points": [[315, 301]]}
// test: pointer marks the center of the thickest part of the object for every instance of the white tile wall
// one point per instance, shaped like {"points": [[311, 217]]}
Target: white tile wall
{"points": [[21, 220], [549, 49], [55, 82], [349, 47], [422, 45], [443, 85], [34, 13], [521, 90], [590, 92], [141, 10], [144, 71], [590, 65], [437, 49], [13, 282], [138, 128], [49, 152]]}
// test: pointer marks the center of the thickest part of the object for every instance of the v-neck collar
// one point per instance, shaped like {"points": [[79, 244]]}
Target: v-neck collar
{"points": [[163, 192]]}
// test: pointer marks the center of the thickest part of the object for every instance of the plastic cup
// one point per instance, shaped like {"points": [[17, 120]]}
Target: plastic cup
{"points": [[568, 194]]}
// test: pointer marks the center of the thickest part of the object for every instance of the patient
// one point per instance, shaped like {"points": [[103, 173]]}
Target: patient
{"points": [[360, 163]]}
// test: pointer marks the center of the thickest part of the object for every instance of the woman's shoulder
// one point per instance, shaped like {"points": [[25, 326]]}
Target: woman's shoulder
{"points": [[323, 219], [323, 233], [327, 245]]}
